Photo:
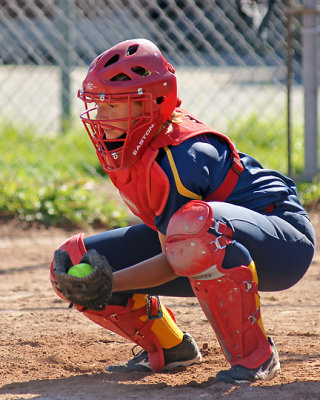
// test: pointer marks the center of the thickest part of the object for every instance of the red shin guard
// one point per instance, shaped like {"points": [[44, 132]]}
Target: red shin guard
{"points": [[231, 305], [126, 322], [195, 248]]}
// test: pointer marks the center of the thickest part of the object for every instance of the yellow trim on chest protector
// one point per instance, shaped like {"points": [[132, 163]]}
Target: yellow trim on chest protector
{"points": [[181, 189]]}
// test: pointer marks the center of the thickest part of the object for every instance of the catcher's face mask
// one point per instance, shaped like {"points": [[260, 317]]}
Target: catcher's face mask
{"points": [[132, 76]]}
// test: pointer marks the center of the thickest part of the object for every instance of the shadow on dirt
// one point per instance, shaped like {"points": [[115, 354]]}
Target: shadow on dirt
{"points": [[30, 268], [104, 386]]}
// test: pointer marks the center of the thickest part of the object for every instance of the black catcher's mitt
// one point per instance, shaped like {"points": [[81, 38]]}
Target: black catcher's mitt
{"points": [[93, 291]]}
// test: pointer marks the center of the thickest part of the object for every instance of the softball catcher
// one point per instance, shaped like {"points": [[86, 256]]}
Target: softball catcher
{"points": [[215, 224]]}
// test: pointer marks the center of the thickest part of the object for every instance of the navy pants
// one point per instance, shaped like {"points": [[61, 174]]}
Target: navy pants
{"points": [[281, 243]]}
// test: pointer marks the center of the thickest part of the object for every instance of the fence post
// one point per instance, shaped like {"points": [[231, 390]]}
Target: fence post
{"points": [[289, 83], [66, 29], [310, 84]]}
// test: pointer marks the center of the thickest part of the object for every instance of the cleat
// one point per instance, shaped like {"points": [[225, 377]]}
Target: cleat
{"points": [[239, 374], [183, 355]]}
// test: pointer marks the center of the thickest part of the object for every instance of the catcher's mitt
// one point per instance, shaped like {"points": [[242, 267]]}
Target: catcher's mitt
{"points": [[92, 291]]}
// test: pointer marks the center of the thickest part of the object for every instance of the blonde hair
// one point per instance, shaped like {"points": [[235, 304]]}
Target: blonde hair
{"points": [[176, 117]]}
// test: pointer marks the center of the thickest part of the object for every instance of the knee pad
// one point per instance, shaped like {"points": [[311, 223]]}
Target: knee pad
{"points": [[195, 242], [76, 249]]}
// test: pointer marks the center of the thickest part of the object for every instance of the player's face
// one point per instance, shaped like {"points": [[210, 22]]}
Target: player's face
{"points": [[118, 114]]}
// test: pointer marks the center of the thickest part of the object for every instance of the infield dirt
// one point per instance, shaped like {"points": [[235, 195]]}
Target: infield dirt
{"points": [[48, 351]]}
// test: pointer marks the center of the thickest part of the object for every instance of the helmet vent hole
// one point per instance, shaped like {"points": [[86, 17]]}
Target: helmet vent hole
{"points": [[132, 49], [121, 77], [141, 71], [112, 60], [160, 100]]}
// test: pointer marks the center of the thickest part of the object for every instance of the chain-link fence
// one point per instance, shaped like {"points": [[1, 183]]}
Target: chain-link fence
{"points": [[230, 56]]}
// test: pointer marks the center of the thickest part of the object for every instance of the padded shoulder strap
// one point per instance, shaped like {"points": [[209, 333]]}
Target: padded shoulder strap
{"points": [[191, 127], [230, 181]]}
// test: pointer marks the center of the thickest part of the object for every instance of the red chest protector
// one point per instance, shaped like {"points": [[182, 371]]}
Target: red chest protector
{"points": [[145, 187]]}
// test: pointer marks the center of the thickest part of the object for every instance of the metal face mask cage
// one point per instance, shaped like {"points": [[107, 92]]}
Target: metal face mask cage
{"points": [[111, 151]]}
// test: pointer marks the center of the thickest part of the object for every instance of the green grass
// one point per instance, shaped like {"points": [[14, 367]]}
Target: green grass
{"points": [[267, 142], [57, 180], [54, 180]]}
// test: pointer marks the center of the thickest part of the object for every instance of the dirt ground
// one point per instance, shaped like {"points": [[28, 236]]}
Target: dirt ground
{"points": [[48, 351]]}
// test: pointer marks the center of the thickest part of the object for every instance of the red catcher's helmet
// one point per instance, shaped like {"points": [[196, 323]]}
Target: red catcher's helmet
{"points": [[132, 71]]}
